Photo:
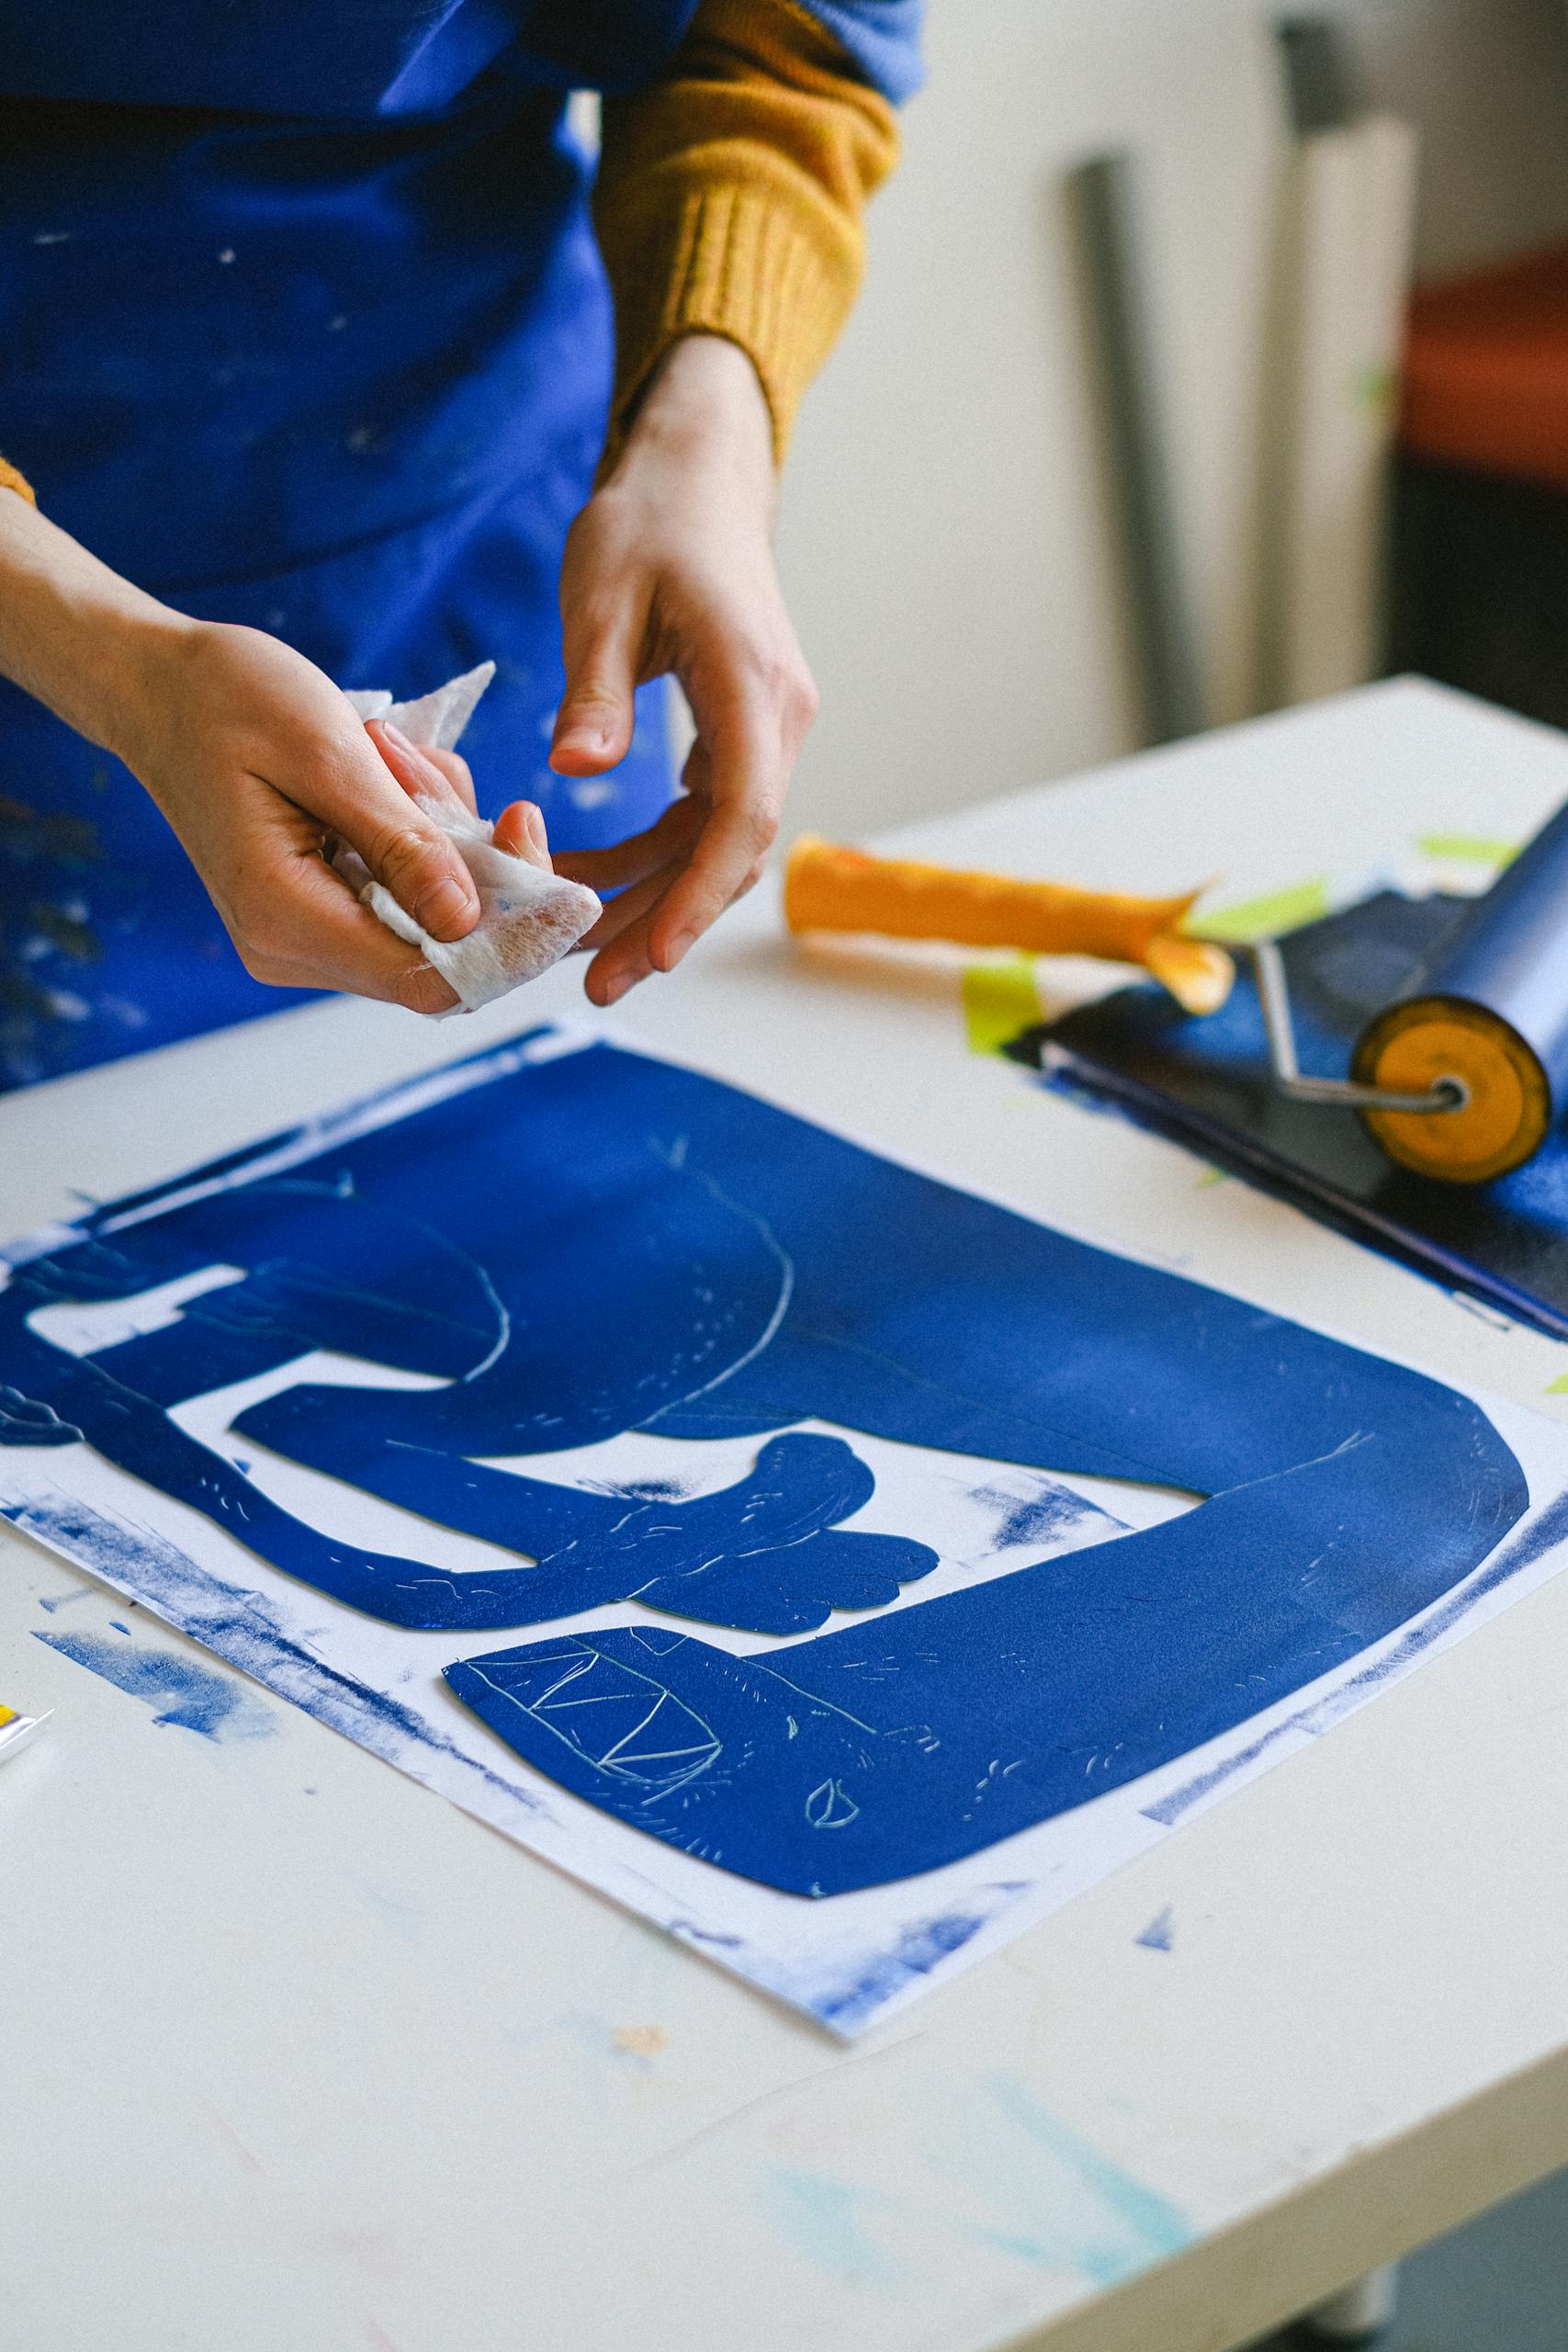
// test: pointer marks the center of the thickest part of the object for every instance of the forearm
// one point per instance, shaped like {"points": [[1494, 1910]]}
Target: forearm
{"points": [[703, 406], [72, 632]]}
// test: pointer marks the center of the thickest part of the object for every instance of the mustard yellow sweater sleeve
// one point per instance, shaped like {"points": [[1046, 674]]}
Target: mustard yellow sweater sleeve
{"points": [[731, 197], [11, 479]]}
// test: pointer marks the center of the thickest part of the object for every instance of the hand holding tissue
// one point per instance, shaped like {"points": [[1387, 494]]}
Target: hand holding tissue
{"points": [[529, 917]]}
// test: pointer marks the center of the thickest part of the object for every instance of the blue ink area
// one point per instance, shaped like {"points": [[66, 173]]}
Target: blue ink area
{"points": [[762, 1556], [183, 1692], [821, 2218], [25, 1421], [1051, 2199], [1548, 1529], [599, 1243], [1093, 2217], [1055, 1511], [1160, 1933]]}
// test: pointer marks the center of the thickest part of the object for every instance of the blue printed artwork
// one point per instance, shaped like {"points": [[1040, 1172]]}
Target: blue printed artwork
{"points": [[552, 1252]]}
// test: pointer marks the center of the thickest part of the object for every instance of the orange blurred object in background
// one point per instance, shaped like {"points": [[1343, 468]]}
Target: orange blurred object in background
{"points": [[1486, 371]]}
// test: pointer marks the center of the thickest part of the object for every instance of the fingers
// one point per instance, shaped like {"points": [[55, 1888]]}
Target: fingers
{"points": [[365, 796], [631, 861], [521, 829], [312, 933], [624, 936], [749, 731], [603, 644], [630, 908], [752, 716], [752, 712], [455, 769], [424, 773]]}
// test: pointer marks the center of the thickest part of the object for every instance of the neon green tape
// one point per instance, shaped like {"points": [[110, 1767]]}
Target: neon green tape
{"points": [[1000, 1001], [1265, 918], [1477, 849], [1559, 1387]]}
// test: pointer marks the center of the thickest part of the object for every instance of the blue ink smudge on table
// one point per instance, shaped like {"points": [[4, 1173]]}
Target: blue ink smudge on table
{"points": [[184, 1691]]}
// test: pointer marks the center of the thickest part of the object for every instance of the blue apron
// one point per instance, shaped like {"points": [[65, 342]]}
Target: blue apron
{"points": [[303, 325]]}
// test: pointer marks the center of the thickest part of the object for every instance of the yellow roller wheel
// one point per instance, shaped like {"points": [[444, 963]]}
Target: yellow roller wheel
{"points": [[1411, 1047]]}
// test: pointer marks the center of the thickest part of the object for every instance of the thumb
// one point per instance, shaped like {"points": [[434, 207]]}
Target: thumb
{"points": [[405, 850], [594, 726]]}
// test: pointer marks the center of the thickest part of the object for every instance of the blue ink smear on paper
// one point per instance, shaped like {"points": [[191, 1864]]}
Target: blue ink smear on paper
{"points": [[183, 1692], [63, 1600], [1095, 2219], [915, 1953], [1160, 1933], [697, 1264], [820, 2218], [1055, 1512], [118, 1627], [239, 1625]]}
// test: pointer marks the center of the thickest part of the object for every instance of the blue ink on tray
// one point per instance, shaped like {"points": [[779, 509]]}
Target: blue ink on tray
{"points": [[1198, 1080], [1160, 1933], [697, 1264], [182, 1690]]}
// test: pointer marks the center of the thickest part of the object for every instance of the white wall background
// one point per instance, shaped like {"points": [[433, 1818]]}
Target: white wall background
{"points": [[945, 538]]}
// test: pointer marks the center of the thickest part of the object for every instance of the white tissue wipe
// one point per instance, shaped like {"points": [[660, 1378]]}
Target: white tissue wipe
{"points": [[528, 919]]}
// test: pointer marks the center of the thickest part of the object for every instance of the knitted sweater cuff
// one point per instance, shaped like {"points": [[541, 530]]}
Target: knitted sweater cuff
{"points": [[743, 258]]}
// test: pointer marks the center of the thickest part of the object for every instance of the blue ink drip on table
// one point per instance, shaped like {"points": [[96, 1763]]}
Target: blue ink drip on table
{"points": [[599, 1243]]}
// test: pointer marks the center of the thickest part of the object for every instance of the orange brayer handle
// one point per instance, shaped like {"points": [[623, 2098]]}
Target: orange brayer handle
{"points": [[831, 888]]}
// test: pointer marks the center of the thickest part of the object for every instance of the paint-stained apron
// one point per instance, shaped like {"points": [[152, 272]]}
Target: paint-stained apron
{"points": [[301, 325]]}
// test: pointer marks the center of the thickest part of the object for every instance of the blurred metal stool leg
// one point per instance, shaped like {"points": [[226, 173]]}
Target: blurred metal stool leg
{"points": [[1362, 2310]]}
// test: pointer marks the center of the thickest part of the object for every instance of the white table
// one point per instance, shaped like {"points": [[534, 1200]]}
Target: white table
{"points": [[296, 2058]]}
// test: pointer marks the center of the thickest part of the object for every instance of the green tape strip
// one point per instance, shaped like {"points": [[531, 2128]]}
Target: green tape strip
{"points": [[1477, 849], [1264, 918], [1558, 1387], [1000, 1001]]}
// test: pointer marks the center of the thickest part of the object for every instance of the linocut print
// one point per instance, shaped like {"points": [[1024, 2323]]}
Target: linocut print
{"points": [[838, 1567]]}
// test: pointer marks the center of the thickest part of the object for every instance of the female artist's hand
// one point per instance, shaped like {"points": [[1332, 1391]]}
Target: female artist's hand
{"points": [[669, 568], [256, 758]]}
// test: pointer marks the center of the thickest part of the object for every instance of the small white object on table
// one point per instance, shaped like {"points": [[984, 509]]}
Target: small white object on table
{"points": [[292, 2053]]}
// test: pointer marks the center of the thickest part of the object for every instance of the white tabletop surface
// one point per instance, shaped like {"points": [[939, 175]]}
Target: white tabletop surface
{"points": [[295, 2057]]}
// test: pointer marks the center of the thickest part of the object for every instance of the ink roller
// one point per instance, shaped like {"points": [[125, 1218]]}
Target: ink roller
{"points": [[1463, 1076]]}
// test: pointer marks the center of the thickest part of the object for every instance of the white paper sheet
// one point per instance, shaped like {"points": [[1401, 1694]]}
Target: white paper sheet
{"points": [[847, 1959]]}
